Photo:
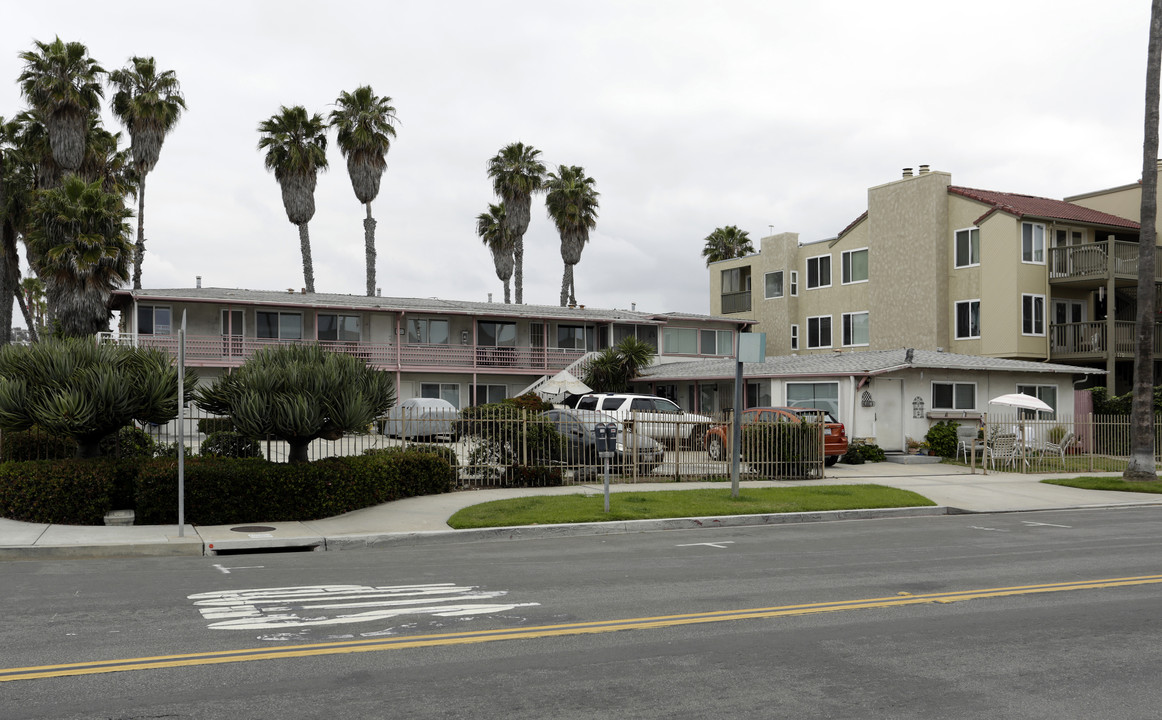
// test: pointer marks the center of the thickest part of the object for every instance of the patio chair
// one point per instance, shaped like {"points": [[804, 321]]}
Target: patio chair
{"points": [[965, 436], [1004, 450], [1059, 448]]}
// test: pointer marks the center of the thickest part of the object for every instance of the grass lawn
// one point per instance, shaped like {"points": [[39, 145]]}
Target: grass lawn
{"points": [[552, 509], [1108, 483]]}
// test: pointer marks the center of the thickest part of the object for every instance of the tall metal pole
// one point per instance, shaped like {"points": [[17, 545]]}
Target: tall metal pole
{"points": [[736, 423], [182, 427]]}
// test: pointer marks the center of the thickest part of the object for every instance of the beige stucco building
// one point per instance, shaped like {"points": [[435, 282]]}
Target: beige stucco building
{"points": [[932, 265]]}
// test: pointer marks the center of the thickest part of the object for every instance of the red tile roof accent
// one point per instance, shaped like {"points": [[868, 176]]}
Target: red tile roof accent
{"points": [[1039, 207], [854, 222]]}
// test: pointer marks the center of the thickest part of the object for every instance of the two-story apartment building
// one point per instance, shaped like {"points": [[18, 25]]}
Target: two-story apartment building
{"points": [[465, 352], [931, 265]]}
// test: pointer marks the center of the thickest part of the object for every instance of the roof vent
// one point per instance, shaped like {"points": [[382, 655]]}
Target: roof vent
{"points": [[198, 281], [923, 169], [303, 291], [907, 172], [378, 292], [291, 291]]}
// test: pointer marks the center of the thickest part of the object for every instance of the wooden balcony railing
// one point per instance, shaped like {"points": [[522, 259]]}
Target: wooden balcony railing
{"points": [[1091, 340], [229, 351], [1097, 261], [736, 302]]}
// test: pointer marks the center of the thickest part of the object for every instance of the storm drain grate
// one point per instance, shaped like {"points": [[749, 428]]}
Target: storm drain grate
{"points": [[252, 528]]}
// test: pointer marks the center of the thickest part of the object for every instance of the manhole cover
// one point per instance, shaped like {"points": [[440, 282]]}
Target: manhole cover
{"points": [[252, 528]]}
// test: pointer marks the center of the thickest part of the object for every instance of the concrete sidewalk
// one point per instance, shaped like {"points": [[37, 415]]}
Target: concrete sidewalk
{"points": [[424, 519]]}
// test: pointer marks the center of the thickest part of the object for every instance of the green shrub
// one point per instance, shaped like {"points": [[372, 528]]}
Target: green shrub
{"points": [[530, 402], [70, 492], [861, 451], [209, 426], [229, 444], [128, 442], [443, 451], [941, 438], [782, 450], [35, 444]]}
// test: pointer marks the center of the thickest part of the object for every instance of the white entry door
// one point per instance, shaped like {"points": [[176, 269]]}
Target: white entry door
{"points": [[888, 394]]}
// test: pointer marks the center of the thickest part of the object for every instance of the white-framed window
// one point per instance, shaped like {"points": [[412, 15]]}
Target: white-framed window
{"points": [[967, 319], [577, 337], [278, 325], [717, 342], [855, 329], [1033, 243], [794, 283], [680, 341], [496, 334], [967, 247], [646, 333], [818, 272], [773, 281], [1032, 314], [489, 393], [854, 264], [819, 331], [444, 391], [154, 320], [794, 337], [1045, 393], [346, 328], [822, 395], [953, 396], [422, 331]]}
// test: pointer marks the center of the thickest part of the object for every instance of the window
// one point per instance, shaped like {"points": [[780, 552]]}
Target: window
{"points": [[1044, 393], [823, 395], [854, 266], [646, 333], [736, 280], [428, 332], [953, 396], [855, 329], [279, 325], [1032, 314], [794, 283], [967, 319], [340, 327], [967, 247], [680, 341], [496, 334], [758, 394], [794, 337], [574, 337], [444, 391], [819, 272], [717, 342], [489, 393], [819, 331], [774, 284], [153, 320], [1033, 243]]}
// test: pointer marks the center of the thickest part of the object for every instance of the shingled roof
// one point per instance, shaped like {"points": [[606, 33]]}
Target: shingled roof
{"points": [[1039, 207]]}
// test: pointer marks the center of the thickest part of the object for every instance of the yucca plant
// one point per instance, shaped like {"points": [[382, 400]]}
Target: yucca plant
{"points": [[299, 393], [86, 391]]}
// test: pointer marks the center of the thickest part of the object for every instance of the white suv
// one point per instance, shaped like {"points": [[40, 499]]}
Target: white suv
{"points": [[650, 415]]}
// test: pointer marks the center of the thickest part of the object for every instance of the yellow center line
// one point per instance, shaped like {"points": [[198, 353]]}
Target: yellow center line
{"points": [[585, 628]]}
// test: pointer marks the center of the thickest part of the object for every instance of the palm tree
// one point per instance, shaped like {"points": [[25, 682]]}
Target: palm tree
{"points": [[517, 174], [148, 104], [296, 150], [726, 243], [572, 205], [365, 125], [62, 83], [15, 191], [1141, 465], [490, 228], [80, 238]]}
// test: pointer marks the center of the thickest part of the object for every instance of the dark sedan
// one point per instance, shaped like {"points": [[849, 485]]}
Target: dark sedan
{"points": [[578, 429]]}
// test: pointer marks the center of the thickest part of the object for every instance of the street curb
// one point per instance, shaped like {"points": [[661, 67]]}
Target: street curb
{"points": [[618, 527], [103, 551]]}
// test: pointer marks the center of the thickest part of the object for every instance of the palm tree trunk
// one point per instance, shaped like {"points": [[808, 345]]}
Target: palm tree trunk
{"points": [[27, 315], [507, 294], [518, 273], [308, 266], [137, 256], [1141, 466], [565, 285], [9, 281], [572, 287], [369, 250]]}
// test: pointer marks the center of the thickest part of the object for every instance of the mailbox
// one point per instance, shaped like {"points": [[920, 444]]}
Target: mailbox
{"points": [[606, 437]]}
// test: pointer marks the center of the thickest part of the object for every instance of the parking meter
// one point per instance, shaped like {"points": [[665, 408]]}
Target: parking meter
{"points": [[605, 435]]}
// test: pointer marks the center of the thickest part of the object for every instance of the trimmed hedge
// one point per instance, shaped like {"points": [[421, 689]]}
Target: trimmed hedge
{"points": [[782, 450], [222, 491], [70, 492]]}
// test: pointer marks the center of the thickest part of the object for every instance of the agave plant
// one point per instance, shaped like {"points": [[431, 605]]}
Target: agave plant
{"points": [[299, 393]]}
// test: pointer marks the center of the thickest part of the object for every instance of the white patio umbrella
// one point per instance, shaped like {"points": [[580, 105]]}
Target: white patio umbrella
{"points": [[1021, 400], [562, 383]]}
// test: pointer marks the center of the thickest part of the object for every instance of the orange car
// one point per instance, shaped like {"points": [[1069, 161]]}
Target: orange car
{"points": [[834, 434]]}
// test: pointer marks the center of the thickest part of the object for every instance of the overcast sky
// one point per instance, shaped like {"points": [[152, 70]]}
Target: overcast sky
{"points": [[689, 115]]}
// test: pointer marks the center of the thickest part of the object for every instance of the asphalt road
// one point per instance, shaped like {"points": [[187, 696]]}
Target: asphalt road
{"points": [[1029, 615]]}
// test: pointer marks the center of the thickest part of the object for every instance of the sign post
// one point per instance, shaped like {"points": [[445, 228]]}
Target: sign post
{"points": [[752, 347], [182, 428], [605, 435]]}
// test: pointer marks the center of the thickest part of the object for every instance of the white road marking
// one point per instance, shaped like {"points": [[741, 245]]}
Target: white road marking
{"points": [[1038, 524], [720, 545], [226, 570], [977, 527], [271, 608]]}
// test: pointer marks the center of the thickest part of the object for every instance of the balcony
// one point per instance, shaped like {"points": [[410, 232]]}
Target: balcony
{"points": [[1089, 341], [735, 302], [1092, 264], [232, 351]]}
